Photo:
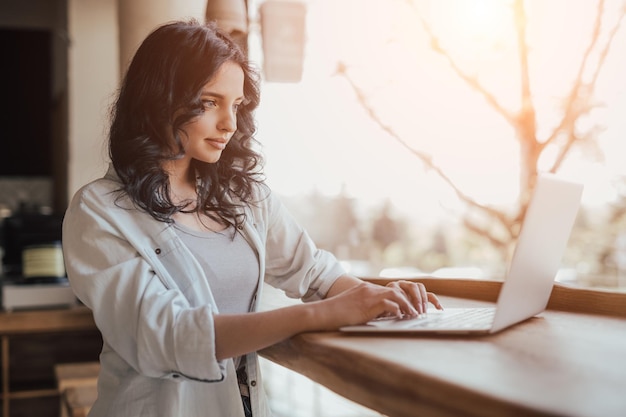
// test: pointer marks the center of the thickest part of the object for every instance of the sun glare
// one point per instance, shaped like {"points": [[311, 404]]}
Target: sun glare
{"points": [[477, 21], [483, 16], [319, 130]]}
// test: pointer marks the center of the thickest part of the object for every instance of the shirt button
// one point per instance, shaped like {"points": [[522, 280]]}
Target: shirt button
{"points": [[240, 227], [253, 383], [157, 251]]}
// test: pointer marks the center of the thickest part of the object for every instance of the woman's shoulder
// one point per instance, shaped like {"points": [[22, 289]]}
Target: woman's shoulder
{"points": [[99, 189], [106, 191], [262, 197], [261, 192], [104, 201], [266, 203]]}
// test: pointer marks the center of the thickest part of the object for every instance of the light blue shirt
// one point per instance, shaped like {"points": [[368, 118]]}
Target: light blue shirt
{"points": [[154, 307]]}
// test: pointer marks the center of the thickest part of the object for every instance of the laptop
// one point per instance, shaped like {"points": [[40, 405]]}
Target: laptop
{"points": [[526, 290]]}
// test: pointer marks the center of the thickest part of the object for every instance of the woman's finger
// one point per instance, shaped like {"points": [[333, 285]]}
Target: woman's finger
{"points": [[390, 308], [414, 294], [423, 297], [417, 294], [404, 301], [435, 301]]}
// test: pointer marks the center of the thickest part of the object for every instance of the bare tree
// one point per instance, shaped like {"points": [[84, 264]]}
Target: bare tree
{"points": [[564, 135]]}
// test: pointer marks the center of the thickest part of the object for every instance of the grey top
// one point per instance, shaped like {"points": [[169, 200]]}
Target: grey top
{"points": [[230, 265]]}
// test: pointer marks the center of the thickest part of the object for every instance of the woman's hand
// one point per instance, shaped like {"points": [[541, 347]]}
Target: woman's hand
{"points": [[417, 295], [365, 301]]}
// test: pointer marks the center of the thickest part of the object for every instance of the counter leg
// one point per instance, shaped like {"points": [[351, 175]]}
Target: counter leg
{"points": [[5, 376]]}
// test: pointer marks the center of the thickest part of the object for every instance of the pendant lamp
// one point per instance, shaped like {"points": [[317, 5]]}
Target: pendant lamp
{"points": [[232, 17], [283, 37]]}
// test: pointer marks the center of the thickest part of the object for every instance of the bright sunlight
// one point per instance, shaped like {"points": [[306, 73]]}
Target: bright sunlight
{"points": [[348, 133]]}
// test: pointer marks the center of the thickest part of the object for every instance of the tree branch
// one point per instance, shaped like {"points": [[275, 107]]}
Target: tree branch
{"points": [[571, 112], [425, 158], [498, 243], [527, 119], [471, 80], [589, 88]]}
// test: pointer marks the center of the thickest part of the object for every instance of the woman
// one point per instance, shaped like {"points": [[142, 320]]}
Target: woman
{"points": [[170, 248]]}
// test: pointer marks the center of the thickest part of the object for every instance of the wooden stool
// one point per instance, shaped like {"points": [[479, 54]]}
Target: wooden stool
{"points": [[77, 385], [77, 401]]}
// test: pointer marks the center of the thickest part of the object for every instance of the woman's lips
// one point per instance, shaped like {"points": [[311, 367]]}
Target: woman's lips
{"points": [[218, 143]]}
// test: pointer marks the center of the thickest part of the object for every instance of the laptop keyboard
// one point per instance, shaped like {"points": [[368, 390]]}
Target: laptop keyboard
{"points": [[461, 319], [453, 319]]}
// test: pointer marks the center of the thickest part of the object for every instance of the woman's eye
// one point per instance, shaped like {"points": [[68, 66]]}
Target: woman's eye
{"points": [[207, 104]]}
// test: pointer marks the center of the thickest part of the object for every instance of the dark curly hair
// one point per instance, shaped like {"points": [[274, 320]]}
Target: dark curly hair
{"points": [[159, 95]]}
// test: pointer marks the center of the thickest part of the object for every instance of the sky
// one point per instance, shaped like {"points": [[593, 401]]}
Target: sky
{"points": [[316, 136]]}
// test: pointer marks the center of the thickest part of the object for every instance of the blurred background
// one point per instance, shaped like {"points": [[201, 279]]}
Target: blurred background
{"points": [[410, 143]]}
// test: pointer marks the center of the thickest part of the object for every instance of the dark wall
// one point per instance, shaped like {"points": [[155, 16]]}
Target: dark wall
{"points": [[25, 102]]}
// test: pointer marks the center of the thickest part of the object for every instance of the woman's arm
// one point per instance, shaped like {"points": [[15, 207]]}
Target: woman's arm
{"points": [[296, 266], [343, 283], [349, 301]]}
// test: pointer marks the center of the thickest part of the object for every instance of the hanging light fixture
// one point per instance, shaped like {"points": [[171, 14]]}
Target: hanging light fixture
{"points": [[231, 16], [283, 37]]}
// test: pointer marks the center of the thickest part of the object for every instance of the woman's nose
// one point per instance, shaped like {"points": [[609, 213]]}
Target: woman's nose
{"points": [[228, 121]]}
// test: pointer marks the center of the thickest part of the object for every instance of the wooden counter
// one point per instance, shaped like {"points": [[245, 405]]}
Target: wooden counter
{"points": [[70, 321], [564, 362], [46, 320]]}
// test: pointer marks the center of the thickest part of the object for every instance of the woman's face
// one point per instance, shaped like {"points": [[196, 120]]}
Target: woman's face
{"points": [[208, 134]]}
